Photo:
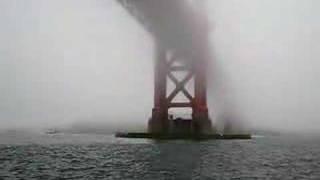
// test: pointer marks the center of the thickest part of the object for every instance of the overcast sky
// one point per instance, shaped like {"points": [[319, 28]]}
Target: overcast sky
{"points": [[65, 61]]}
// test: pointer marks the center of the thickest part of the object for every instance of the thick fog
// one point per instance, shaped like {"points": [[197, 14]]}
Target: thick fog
{"points": [[267, 62], [63, 62]]}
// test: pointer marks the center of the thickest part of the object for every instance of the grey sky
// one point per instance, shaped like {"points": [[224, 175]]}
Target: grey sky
{"points": [[61, 61]]}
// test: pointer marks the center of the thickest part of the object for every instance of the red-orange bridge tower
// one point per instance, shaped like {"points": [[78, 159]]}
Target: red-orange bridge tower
{"points": [[180, 32]]}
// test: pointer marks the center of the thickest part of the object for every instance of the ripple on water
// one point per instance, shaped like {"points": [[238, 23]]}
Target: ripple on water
{"points": [[262, 158]]}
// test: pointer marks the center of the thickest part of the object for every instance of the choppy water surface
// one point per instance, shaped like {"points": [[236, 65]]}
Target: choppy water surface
{"points": [[40, 156]]}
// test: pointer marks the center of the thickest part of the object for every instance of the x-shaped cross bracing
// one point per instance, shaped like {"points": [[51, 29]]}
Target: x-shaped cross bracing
{"points": [[179, 85]]}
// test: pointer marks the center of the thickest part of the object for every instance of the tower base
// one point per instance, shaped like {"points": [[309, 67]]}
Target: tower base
{"points": [[179, 125], [158, 123], [202, 126]]}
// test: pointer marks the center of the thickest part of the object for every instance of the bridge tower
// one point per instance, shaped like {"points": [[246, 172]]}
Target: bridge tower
{"points": [[181, 46], [167, 64]]}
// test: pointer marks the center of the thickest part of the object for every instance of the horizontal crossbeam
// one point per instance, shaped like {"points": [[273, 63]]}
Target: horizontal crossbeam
{"points": [[179, 68], [180, 105]]}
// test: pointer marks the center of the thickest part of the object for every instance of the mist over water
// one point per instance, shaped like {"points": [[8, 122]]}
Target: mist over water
{"points": [[63, 62], [266, 64]]}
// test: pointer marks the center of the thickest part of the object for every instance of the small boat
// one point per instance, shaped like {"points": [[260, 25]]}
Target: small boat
{"points": [[52, 131]]}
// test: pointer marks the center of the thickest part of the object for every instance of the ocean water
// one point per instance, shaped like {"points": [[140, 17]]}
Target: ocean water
{"points": [[90, 156]]}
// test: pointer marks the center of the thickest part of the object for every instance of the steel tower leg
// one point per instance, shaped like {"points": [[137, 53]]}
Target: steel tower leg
{"points": [[158, 123], [200, 116]]}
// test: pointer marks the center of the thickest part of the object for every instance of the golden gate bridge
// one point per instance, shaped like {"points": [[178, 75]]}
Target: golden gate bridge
{"points": [[180, 32]]}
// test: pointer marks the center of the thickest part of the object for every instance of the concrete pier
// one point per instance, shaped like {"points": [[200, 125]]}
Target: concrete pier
{"points": [[177, 136]]}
